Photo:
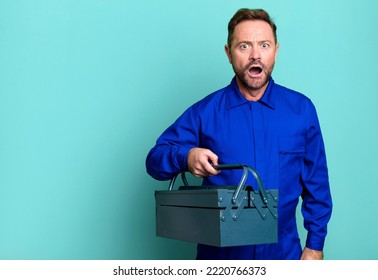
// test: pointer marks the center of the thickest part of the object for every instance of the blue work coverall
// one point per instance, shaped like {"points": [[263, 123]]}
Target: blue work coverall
{"points": [[280, 137]]}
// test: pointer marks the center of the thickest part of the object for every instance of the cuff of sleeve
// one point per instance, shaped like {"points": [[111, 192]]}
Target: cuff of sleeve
{"points": [[182, 158], [315, 242]]}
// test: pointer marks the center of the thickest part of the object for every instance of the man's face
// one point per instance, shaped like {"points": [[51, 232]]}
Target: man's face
{"points": [[252, 54]]}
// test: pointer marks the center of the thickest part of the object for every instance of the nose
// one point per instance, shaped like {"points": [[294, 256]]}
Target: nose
{"points": [[255, 53]]}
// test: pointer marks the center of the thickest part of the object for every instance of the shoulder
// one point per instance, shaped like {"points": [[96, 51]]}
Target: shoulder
{"points": [[288, 97], [212, 101], [205, 108], [290, 94]]}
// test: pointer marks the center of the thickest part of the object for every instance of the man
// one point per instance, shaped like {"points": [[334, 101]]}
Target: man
{"points": [[256, 122]]}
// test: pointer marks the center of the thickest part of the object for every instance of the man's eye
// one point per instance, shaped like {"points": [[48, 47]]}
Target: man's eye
{"points": [[244, 46], [265, 45]]}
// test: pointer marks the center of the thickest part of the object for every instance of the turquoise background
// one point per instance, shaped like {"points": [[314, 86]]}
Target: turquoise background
{"points": [[86, 87]]}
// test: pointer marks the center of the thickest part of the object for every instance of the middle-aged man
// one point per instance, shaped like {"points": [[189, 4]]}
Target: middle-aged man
{"points": [[256, 122]]}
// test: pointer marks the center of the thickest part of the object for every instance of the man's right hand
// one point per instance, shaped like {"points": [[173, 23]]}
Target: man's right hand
{"points": [[200, 162]]}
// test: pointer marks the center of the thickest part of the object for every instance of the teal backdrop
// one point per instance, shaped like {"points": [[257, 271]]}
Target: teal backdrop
{"points": [[86, 87]]}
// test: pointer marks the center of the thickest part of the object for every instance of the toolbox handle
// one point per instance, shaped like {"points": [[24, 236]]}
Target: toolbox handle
{"points": [[243, 179]]}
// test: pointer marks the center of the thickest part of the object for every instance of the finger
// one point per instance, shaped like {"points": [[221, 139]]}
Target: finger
{"points": [[212, 158], [210, 170]]}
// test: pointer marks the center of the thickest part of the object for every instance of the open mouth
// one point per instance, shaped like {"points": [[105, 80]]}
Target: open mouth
{"points": [[255, 70]]}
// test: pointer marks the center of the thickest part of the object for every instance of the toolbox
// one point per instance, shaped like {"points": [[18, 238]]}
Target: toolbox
{"points": [[218, 215]]}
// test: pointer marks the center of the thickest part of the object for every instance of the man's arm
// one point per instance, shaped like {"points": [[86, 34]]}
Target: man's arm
{"points": [[177, 150], [316, 195]]}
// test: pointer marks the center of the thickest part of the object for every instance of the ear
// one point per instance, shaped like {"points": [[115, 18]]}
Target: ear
{"points": [[227, 49], [277, 47]]}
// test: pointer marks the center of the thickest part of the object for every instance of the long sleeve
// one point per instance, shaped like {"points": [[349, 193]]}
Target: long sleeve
{"points": [[317, 202], [169, 156]]}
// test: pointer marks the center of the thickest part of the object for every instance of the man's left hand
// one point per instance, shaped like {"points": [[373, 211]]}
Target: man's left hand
{"points": [[309, 254]]}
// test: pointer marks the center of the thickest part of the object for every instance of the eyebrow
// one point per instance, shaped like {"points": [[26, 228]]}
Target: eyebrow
{"points": [[250, 42]]}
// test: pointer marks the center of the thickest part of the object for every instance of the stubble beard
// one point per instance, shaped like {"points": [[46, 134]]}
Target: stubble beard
{"points": [[250, 83]]}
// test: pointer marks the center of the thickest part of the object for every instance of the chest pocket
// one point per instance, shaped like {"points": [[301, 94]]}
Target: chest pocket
{"points": [[291, 158]]}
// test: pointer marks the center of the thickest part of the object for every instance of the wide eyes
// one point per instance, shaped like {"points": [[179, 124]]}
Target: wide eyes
{"points": [[246, 46]]}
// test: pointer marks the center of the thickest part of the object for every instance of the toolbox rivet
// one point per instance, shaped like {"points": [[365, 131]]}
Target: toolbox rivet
{"points": [[222, 218], [234, 218], [220, 199]]}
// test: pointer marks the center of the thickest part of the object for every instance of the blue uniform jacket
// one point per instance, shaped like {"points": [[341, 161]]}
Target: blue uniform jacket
{"points": [[280, 137]]}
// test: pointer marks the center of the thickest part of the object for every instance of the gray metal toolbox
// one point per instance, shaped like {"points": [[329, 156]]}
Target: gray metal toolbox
{"points": [[218, 215]]}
